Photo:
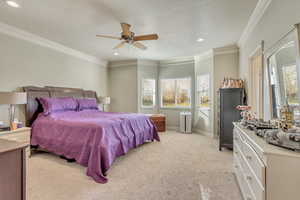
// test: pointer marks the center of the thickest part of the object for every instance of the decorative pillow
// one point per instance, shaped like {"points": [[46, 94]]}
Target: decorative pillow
{"points": [[87, 104], [51, 105]]}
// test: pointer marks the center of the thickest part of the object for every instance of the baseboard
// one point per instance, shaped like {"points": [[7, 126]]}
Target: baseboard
{"points": [[203, 132], [172, 128]]}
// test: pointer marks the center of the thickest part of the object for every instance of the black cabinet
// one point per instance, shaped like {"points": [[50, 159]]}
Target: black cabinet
{"points": [[229, 98]]}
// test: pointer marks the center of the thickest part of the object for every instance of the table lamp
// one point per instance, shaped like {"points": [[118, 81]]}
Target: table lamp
{"points": [[105, 101], [12, 99]]}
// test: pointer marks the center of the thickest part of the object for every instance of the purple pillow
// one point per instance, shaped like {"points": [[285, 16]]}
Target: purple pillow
{"points": [[51, 105], [87, 104]]}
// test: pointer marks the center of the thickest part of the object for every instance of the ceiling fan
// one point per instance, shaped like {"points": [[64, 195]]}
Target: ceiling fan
{"points": [[129, 37]]}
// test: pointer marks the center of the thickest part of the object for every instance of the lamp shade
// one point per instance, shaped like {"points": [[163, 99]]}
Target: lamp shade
{"points": [[105, 100], [13, 98]]}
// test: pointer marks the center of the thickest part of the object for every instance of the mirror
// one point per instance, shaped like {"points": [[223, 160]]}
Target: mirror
{"points": [[283, 74]]}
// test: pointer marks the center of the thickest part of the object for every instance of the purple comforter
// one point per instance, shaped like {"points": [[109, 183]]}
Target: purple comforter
{"points": [[93, 138]]}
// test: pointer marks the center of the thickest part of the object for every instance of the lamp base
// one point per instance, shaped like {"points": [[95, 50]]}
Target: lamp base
{"points": [[12, 111], [13, 126]]}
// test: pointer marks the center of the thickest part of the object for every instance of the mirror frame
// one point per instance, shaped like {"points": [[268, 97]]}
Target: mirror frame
{"points": [[267, 55]]}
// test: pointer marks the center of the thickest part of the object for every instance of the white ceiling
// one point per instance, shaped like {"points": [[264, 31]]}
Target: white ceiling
{"points": [[74, 23]]}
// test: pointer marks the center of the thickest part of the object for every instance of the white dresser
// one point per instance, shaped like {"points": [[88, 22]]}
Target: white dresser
{"points": [[264, 171]]}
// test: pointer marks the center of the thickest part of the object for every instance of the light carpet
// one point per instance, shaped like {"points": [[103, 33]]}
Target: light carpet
{"points": [[180, 167]]}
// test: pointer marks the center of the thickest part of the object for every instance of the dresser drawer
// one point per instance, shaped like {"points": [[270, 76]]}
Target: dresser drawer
{"points": [[255, 163], [256, 188], [237, 137], [255, 147], [244, 187], [160, 125]]}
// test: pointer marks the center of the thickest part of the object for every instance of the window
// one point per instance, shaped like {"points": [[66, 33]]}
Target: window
{"points": [[290, 84], [148, 93], [176, 93], [203, 91]]}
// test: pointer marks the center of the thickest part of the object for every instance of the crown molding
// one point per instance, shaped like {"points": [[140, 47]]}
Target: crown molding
{"points": [[255, 17], [27, 36], [226, 50], [123, 63], [149, 63], [178, 61], [205, 55]]}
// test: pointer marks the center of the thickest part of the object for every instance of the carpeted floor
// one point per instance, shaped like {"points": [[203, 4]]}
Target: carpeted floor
{"points": [[180, 167]]}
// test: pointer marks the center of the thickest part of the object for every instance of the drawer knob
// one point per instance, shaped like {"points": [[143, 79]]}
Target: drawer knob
{"points": [[249, 198], [236, 152], [236, 166], [249, 178], [249, 157]]}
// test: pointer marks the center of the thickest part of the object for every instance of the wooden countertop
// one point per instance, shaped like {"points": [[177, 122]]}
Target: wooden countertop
{"points": [[6, 145], [155, 115], [15, 131]]}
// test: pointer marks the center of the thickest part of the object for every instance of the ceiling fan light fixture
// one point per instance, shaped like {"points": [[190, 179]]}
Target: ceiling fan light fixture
{"points": [[129, 37], [12, 3], [200, 40]]}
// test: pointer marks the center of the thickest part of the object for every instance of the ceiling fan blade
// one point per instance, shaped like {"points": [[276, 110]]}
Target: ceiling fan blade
{"points": [[110, 37], [145, 37], [125, 29], [120, 45], [139, 45]]}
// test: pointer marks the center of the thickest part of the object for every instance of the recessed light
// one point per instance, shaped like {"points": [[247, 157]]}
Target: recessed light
{"points": [[116, 53], [12, 3], [200, 40]]}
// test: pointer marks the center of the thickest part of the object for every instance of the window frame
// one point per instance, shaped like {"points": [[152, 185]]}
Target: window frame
{"points": [[153, 95], [199, 91], [176, 105]]}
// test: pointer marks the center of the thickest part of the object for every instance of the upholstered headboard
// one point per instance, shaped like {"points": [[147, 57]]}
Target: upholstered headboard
{"points": [[33, 108]]}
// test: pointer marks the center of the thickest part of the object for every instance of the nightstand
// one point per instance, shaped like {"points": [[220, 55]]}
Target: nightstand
{"points": [[159, 120], [12, 170], [21, 136]]}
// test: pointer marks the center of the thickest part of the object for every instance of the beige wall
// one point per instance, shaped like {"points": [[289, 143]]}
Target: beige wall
{"points": [[23, 63], [226, 64], [123, 86]]}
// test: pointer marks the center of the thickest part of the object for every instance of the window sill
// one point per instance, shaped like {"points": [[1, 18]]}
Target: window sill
{"points": [[175, 108], [203, 108], [147, 108]]}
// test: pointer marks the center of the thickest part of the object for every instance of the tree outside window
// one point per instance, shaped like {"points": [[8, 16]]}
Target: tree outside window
{"points": [[148, 93], [176, 93], [203, 91]]}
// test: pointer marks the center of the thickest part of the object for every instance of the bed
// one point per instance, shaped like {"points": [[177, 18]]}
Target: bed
{"points": [[92, 137]]}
